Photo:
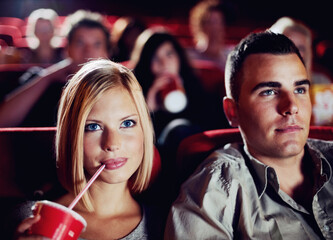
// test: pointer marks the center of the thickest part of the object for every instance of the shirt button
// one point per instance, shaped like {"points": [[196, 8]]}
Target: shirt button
{"points": [[326, 228]]}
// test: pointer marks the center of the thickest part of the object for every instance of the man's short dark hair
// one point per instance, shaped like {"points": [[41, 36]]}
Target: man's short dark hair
{"points": [[92, 24], [254, 43]]}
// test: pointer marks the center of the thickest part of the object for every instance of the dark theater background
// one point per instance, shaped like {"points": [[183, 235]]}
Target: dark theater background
{"points": [[246, 15], [254, 13]]}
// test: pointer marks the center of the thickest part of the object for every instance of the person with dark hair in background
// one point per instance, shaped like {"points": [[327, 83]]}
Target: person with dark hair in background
{"points": [[160, 61], [161, 65], [35, 103], [277, 184]]}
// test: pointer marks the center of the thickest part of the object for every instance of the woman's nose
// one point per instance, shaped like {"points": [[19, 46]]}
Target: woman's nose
{"points": [[112, 141]]}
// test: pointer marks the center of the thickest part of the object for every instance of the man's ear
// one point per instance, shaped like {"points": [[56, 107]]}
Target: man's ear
{"points": [[230, 110]]}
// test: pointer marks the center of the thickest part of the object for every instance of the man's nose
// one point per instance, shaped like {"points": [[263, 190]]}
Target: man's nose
{"points": [[89, 51], [288, 104]]}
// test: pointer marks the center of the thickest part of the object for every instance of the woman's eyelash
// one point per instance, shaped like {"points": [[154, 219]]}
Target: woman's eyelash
{"points": [[92, 127], [128, 123]]}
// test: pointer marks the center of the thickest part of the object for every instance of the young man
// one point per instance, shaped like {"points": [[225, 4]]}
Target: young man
{"points": [[277, 184], [35, 103]]}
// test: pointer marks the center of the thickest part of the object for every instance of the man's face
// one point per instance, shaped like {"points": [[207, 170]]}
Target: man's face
{"points": [[274, 108], [87, 43]]}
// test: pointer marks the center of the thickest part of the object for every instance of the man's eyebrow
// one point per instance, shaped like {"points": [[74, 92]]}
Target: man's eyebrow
{"points": [[266, 84], [278, 85], [303, 82]]}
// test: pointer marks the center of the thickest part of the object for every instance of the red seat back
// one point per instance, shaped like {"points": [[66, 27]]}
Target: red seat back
{"points": [[10, 34], [211, 76]]}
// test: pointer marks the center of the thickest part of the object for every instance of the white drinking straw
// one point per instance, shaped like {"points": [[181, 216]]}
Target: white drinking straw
{"points": [[78, 197]]}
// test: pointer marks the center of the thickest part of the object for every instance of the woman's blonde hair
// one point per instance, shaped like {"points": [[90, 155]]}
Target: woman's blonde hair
{"points": [[77, 100]]}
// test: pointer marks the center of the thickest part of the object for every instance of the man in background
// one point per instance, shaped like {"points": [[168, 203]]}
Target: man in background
{"points": [[35, 103]]}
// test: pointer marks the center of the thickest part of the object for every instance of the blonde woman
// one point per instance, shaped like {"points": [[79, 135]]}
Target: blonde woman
{"points": [[103, 119]]}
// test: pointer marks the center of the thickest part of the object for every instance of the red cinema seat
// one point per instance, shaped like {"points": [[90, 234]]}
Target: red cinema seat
{"points": [[12, 21], [10, 34], [211, 76]]}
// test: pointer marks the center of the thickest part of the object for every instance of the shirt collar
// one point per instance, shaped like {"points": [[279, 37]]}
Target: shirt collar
{"points": [[321, 163], [264, 174]]}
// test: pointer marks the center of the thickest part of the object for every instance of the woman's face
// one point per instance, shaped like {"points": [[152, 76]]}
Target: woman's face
{"points": [[113, 136], [213, 26], [165, 60], [44, 30]]}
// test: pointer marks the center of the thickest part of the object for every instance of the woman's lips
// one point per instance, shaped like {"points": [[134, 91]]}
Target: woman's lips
{"points": [[112, 164]]}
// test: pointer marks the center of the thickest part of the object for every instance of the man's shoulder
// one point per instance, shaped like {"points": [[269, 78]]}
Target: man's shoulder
{"points": [[227, 159], [320, 145], [221, 173], [323, 147]]}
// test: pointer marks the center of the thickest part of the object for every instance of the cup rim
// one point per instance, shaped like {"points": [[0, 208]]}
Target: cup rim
{"points": [[65, 209]]}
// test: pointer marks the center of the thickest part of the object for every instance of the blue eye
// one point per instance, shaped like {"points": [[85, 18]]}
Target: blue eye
{"points": [[300, 90], [128, 123], [92, 127], [268, 92]]}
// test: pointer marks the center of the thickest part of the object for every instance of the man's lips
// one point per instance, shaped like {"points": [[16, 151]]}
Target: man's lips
{"points": [[287, 129], [114, 163]]}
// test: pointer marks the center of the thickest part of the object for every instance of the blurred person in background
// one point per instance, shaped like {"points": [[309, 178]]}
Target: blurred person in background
{"points": [[123, 36], [208, 26], [301, 35], [41, 35], [35, 102], [160, 64], [160, 61]]}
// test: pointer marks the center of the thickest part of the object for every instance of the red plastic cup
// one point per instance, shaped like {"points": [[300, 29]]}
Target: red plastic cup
{"points": [[173, 97], [57, 221]]}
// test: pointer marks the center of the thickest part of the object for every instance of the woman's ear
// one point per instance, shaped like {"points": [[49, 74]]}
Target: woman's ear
{"points": [[230, 110]]}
